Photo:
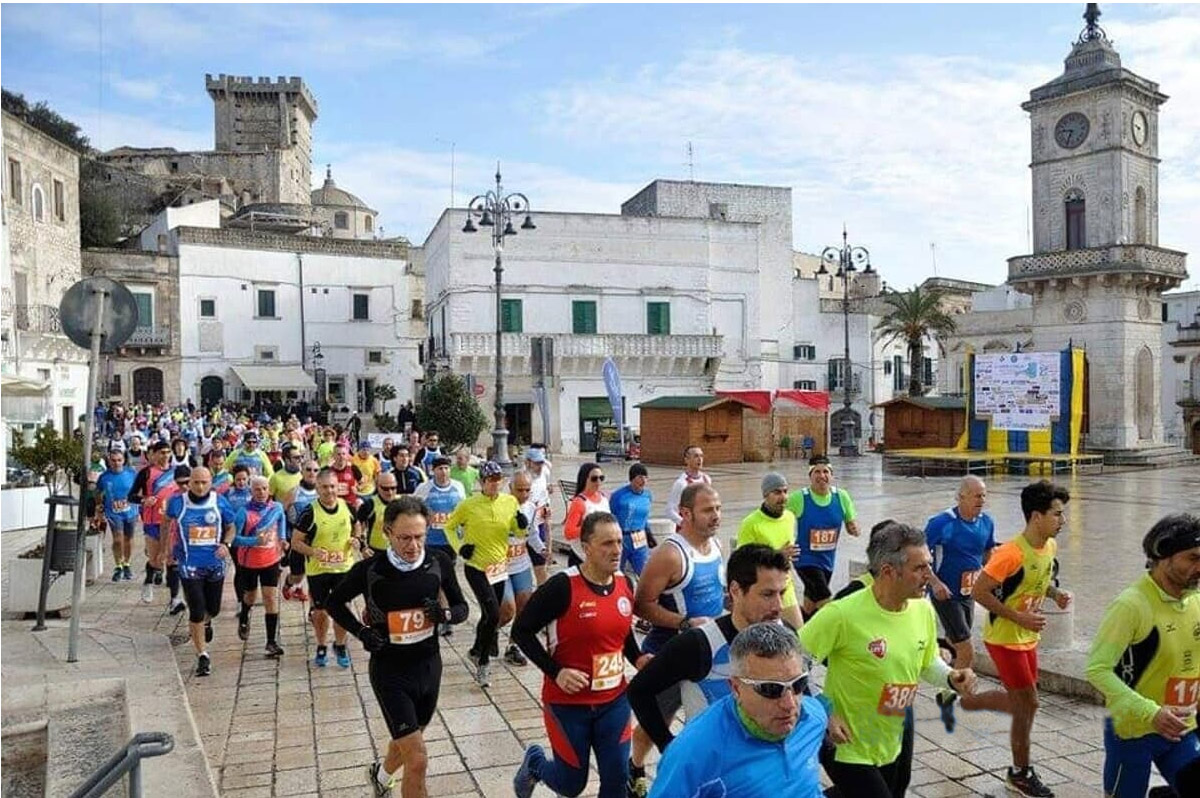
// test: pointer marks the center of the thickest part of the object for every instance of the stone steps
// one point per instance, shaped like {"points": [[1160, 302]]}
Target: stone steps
{"points": [[1150, 457]]}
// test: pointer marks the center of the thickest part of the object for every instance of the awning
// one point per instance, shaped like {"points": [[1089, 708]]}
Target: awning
{"points": [[15, 385], [275, 378], [759, 401], [816, 400]]}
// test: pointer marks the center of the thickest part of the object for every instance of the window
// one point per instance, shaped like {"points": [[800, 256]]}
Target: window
{"points": [[718, 211], [583, 317], [39, 204], [266, 303], [14, 181], [658, 318], [336, 390], [804, 352], [898, 373], [887, 367], [374, 357], [114, 388], [145, 308], [927, 371], [341, 220], [60, 206], [836, 369], [368, 223], [362, 307], [511, 316], [805, 385], [265, 353], [1076, 219], [208, 308], [418, 309]]}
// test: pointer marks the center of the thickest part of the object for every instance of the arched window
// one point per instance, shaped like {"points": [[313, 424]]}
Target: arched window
{"points": [[1076, 227], [1141, 224], [368, 223], [39, 204], [341, 220]]}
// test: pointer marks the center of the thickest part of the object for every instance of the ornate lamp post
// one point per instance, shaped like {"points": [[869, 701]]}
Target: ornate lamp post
{"points": [[496, 210], [848, 260]]}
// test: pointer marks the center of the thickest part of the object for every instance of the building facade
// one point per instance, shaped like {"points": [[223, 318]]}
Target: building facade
{"points": [[1181, 369]]}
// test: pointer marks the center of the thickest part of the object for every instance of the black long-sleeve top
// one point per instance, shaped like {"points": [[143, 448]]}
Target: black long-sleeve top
{"points": [[549, 602]]}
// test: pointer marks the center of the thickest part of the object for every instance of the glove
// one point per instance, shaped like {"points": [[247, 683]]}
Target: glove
{"points": [[434, 611], [522, 521], [467, 551], [372, 640]]}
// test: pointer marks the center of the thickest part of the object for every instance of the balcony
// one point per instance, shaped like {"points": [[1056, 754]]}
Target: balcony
{"points": [[1187, 393], [150, 336], [1186, 335], [37, 319], [1163, 267], [583, 355], [836, 385]]}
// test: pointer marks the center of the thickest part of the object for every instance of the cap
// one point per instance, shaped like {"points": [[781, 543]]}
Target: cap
{"points": [[772, 481], [250, 435], [490, 469], [116, 446], [440, 460], [182, 472], [1171, 535], [535, 456], [364, 445], [637, 470]]}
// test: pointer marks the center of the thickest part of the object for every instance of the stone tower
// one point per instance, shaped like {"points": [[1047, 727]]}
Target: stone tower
{"points": [[1097, 274]]}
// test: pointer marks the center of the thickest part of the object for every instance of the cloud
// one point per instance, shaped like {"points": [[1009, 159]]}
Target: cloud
{"points": [[108, 129]]}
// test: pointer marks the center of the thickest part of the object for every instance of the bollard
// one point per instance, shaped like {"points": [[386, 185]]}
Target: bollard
{"points": [[53, 553], [1059, 632]]}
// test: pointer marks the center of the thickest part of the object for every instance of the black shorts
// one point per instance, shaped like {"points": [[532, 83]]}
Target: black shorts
{"points": [[407, 691], [535, 558], [250, 578], [320, 586], [670, 701], [203, 598], [957, 615], [295, 563], [816, 582]]}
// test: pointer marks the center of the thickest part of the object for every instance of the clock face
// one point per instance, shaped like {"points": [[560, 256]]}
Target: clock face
{"points": [[1071, 130], [1139, 127]]}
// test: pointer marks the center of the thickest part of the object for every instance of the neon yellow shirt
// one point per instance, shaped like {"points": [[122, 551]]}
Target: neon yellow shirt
{"points": [[325, 453], [758, 527], [369, 467], [795, 503], [284, 482], [876, 659], [1144, 657], [487, 523], [1035, 568], [331, 531]]}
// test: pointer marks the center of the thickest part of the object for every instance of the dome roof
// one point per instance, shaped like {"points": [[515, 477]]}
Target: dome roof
{"points": [[330, 194]]}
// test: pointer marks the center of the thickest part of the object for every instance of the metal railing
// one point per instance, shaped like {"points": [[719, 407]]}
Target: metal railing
{"points": [[37, 318], [149, 336], [128, 760], [1187, 393], [1190, 332]]}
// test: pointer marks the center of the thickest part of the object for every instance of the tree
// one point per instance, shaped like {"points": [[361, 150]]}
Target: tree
{"points": [[384, 393], [100, 219], [57, 458], [45, 119], [913, 316], [448, 407]]}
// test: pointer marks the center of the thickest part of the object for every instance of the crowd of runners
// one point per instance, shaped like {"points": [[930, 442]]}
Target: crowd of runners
{"points": [[667, 644]]}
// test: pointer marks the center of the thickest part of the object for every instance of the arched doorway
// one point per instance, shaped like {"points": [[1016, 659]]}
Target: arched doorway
{"points": [[148, 385], [212, 391], [1144, 403]]}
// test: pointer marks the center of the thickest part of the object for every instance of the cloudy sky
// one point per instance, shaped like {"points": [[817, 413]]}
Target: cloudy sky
{"points": [[903, 122]]}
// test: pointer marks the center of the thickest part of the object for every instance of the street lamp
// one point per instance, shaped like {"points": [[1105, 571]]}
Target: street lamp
{"points": [[318, 361], [496, 210], [848, 260]]}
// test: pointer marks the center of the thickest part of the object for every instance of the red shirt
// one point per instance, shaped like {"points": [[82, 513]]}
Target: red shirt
{"points": [[347, 487], [590, 637]]}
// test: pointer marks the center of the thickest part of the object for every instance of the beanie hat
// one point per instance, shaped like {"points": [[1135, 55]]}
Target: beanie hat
{"points": [[772, 481]]}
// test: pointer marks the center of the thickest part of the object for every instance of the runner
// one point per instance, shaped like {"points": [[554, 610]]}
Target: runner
{"points": [[238, 496], [487, 519], [463, 472], [541, 546], [181, 455], [693, 463], [631, 505], [367, 466], [519, 586], [371, 512], [150, 485], [404, 590], [112, 505], [423, 458], [1144, 663], [285, 479], [324, 534], [820, 511], [772, 524], [303, 495], [878, 643], [222, 480], [441, 495], [589, 612], [259, 552], [761, 741], [200, 526], [682, 586], [346, 474], [1017, 578], [326, 446], [250, 455], [408, 476], [136, 456], [588, 499], [698, 660]]}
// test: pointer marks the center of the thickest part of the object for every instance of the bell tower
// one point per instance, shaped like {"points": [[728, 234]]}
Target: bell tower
{"points": [[1097, 274]]}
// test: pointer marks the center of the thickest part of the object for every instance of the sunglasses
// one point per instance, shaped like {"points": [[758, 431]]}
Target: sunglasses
{"points": [[596, 478], [773, 691], [311, 470], [388, 488]]}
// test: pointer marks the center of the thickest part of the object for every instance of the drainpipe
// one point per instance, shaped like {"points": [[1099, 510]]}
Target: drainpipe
{"points": [[303, 344]]}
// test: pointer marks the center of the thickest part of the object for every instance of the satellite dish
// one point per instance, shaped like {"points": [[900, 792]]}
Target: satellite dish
{"points": [[118, 315]]}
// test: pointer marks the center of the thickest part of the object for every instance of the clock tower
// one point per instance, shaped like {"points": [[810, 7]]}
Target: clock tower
{"points": [[1097, 274]]}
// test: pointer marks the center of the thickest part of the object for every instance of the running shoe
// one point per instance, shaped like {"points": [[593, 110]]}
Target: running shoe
{"points": [[373, 774], [1025, 782], [203, 665], [147, 593], [208, 632], [637, 786], [288, 593], [176, 606], [513, 656], [481, 676], [473, 656], [298, 593], [126, 573], [524, 781], [273, 650], [158, 576], [243, 629], [447, 630], [945, 700], [343, 655], [322, 658], [117, 574]]}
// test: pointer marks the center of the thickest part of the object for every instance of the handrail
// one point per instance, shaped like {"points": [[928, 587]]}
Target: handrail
{"points": [[128, 760]]}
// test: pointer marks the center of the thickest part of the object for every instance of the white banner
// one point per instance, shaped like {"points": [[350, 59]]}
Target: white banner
{"points": [[1019, 391]]}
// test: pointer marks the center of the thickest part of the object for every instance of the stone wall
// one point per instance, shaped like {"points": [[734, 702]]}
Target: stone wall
{"points": [[226, 237]]}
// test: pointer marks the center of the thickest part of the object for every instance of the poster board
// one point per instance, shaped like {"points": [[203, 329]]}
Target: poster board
{"points": [[1018, 390]]}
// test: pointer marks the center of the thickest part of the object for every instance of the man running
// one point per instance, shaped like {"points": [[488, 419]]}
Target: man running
{"points": [[879, 643], [682, 586], [250, 455], [409, 590], [112, 505], [441, 495], [463, 472], [325, 536], [367, 466], [1144, 662], [408, 476], [294, 505], [761, 741], [693, 462], [148, 491], [520, 567], [346, 474], [820, 510], [259, 551], [541, 549], [590, 608], [200, 527], [285, 479], [772, 524], [1017, 578], [631, 505], [423, 458], [371, 512]]}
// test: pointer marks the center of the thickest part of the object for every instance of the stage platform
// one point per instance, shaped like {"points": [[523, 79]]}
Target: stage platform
{"points": [[955, 462]]}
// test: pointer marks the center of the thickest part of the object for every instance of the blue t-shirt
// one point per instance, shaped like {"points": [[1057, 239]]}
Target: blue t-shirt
{"points": [[115, 486], [958, 546], [631, 508], [238, 500], [201, 530], [441, 502]]}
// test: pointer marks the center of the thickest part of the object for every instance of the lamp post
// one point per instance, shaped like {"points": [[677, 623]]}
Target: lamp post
{"points": [[496, 210], [318, 361], [848, 260]]}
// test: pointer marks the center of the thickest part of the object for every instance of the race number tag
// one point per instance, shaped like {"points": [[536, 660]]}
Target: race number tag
{"points": [[438, 520], [608, 670], [202, 535], [266, 540], [497, 572], [516, 550], [822, 539], [409, 626], [1031, 603], [343, 489], [120, 505], [968, 582], [334, 557], [1183, 692], [638, 539], [896, 698]]}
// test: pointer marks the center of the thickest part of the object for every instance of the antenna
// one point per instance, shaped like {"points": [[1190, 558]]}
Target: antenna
{"points": [[933, 256], [691, 162]]}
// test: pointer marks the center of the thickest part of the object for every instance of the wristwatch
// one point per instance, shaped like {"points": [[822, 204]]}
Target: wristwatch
{"points": [[686, 623]]}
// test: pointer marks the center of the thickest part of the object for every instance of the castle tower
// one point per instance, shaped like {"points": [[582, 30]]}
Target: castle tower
{"points": [[1097, 274]]}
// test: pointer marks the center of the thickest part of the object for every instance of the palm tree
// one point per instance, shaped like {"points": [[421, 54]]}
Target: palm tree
{"points": [[913, 315]]}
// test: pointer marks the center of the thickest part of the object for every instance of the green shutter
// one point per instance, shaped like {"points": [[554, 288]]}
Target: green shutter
{"points": [[583, 317], [145, 304], [510, 316], [658, 318]]}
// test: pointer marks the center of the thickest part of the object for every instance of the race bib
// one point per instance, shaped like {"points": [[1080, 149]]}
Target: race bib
{"points": [[638, 539], [516, 550], [266, 540], [894, 699], [822, 539], [608, 670], [497, 572], [1183, 692], [335, 557], [343, 489], [1031, 603], [968, 582], [202, 535], [438, 520], [120, 505], [409, 626]]}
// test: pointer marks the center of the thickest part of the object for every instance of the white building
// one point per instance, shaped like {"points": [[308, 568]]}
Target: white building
{"points": [[1181, 369]]}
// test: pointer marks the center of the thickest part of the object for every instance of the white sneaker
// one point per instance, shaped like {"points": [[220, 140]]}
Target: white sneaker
{"points": [[481, 676], [147, 593]]}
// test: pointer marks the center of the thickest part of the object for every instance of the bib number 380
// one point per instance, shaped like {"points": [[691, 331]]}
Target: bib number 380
{"points": [[608, 670], [894, 699]]}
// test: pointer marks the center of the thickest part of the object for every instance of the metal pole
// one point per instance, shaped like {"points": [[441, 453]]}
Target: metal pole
{"points": [[499, 433], [47, 550], [81, 527], [848, 442]]}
